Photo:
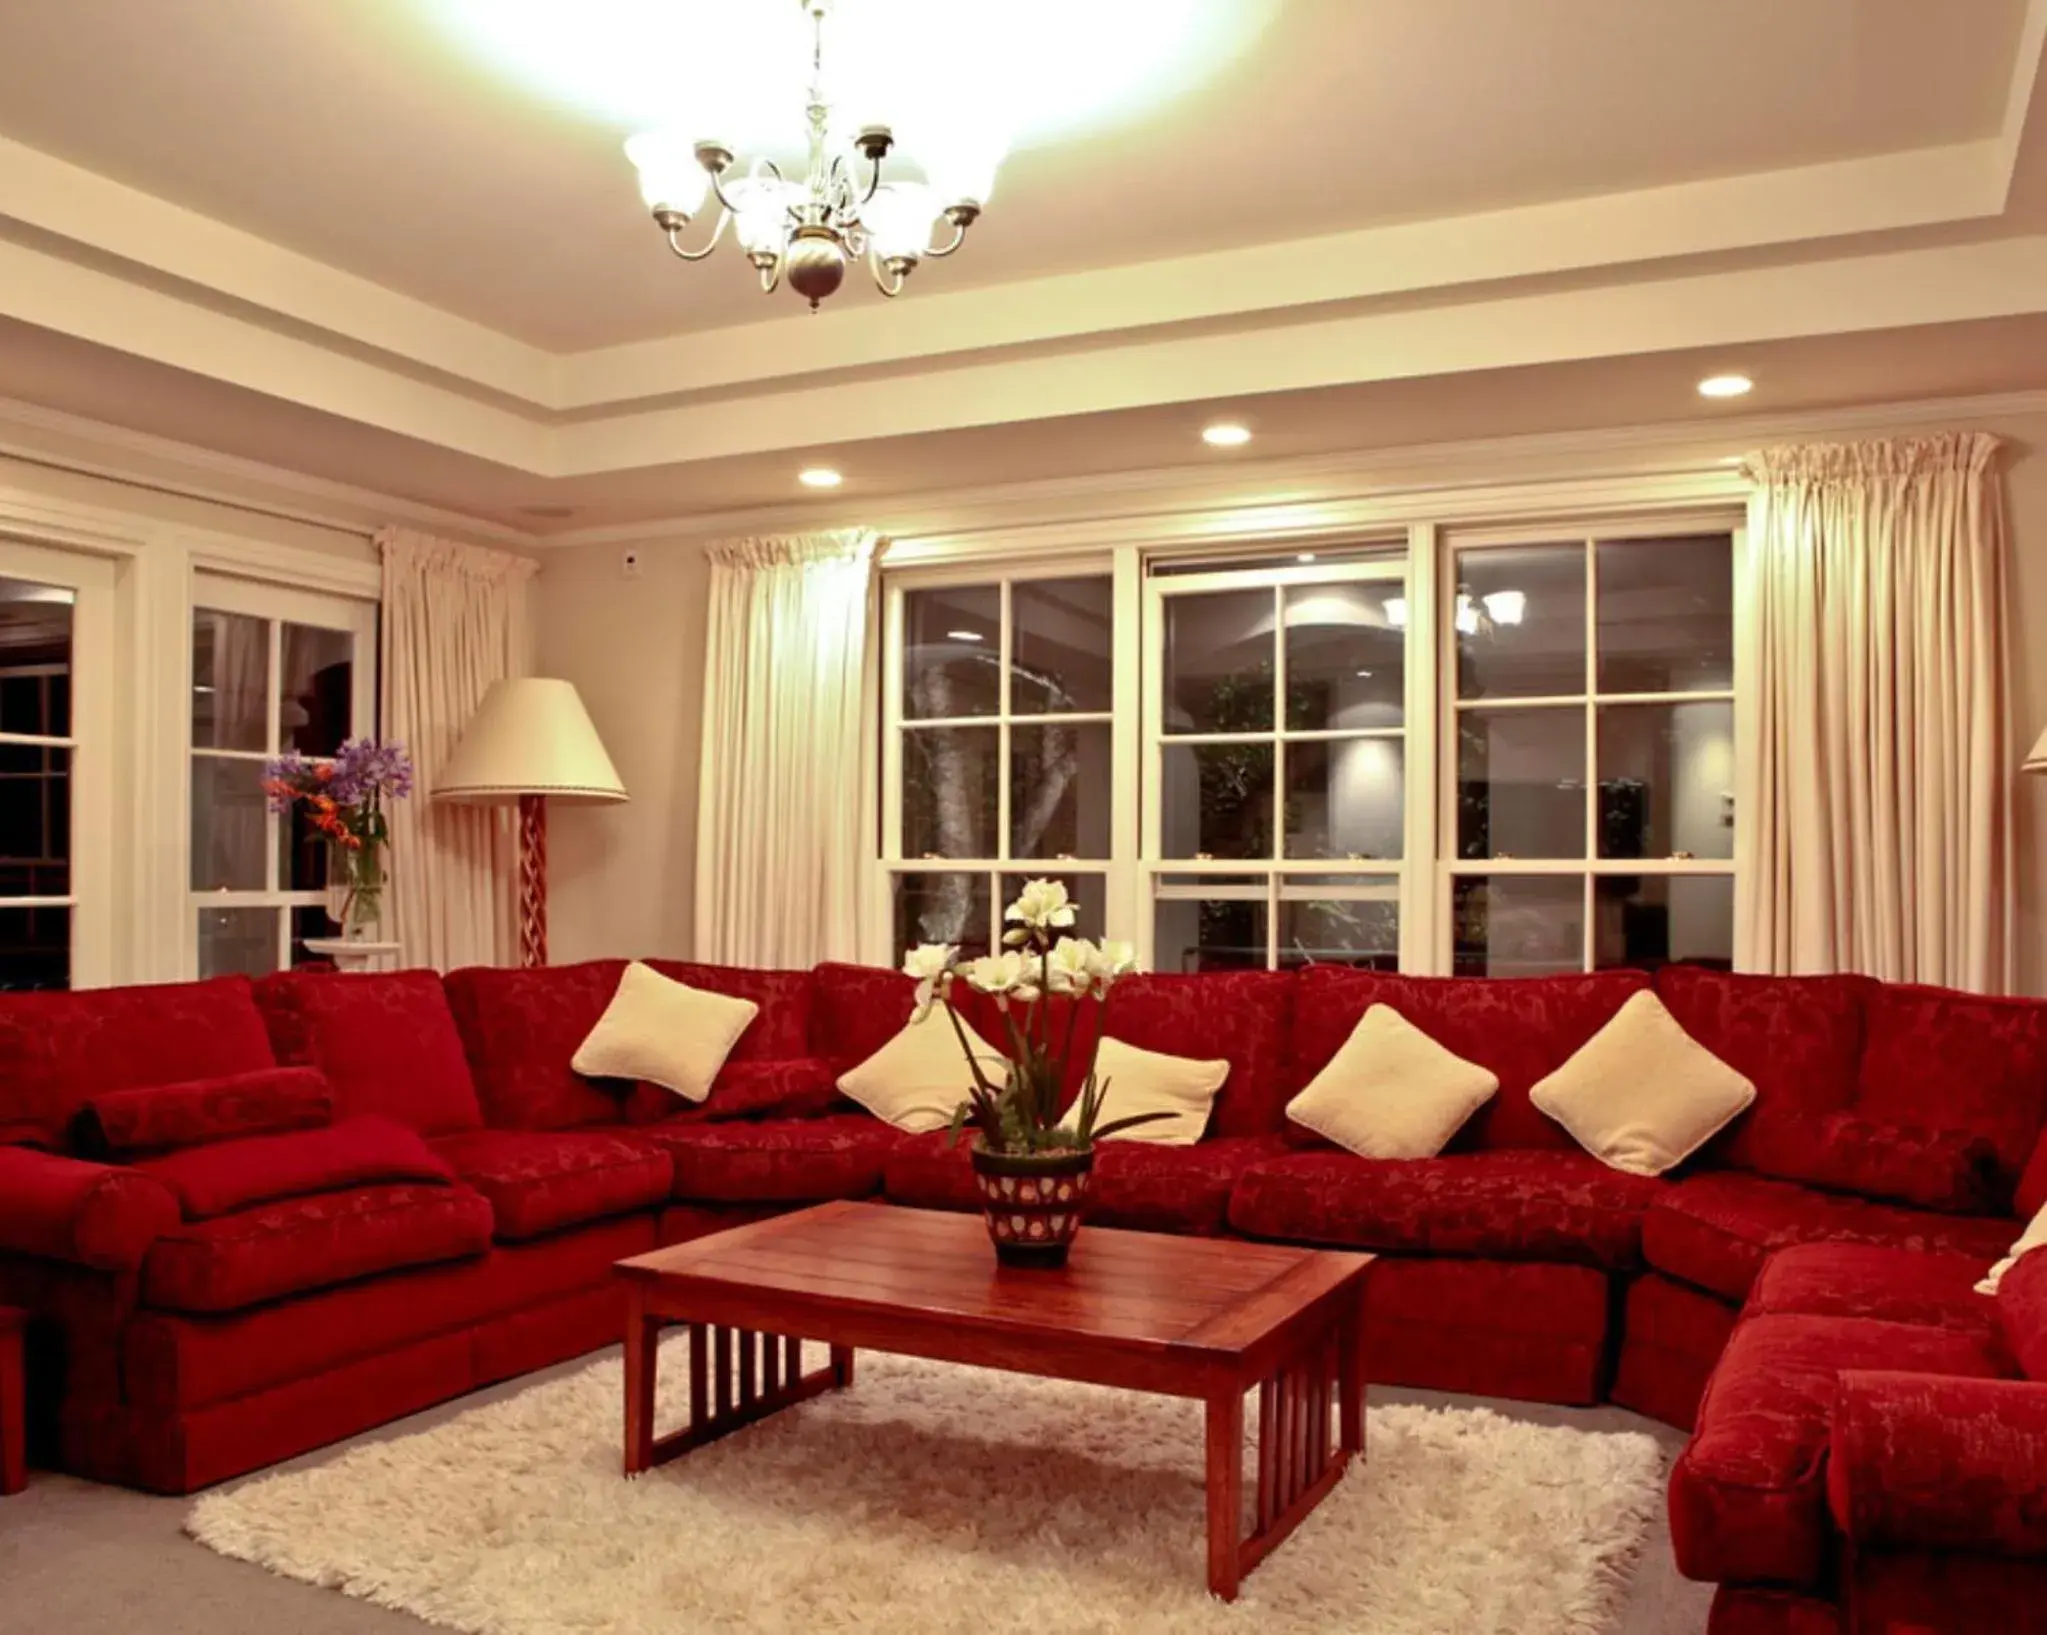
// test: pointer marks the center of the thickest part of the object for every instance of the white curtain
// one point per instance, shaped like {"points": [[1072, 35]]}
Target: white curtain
{"points": [[783, 784], [454, 622], [1876, 790]]}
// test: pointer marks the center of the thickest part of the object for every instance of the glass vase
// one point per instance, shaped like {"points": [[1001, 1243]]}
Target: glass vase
{"points": [[355, 888]]}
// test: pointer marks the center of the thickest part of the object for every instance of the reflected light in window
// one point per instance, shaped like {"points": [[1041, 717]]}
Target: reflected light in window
{"points": [[1506, 606], [963, 635], [1396, 612], [1467, 616]]}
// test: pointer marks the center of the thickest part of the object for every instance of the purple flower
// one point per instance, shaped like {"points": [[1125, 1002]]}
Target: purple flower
{"points": [[365, 770]]}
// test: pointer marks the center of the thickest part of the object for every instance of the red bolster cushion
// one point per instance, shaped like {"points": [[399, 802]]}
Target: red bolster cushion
{"points": [[1954, 1171], [88, 1214], [2022, 1309], [163, 1118], [230, 1175], [1940, 1462], [803, 1087]]}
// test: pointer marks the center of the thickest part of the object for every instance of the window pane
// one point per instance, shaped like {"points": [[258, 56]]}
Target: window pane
{"points": [[1345, 797], [35, 821], [316, 698], [1346, 660], [238, 940], [1520, 620], [1061, 652], [230, 681], [229, 825], [1518, 924], [1217, 800], [942, 908], [952, 652], [1521, 783], [1219, 662], [1090, 894], [308, 921], [1666, 780], [1209, 934], [950, 794], [1652, 920], [35, 659], [1060, 780], [35, 948], [1358, 924], [1666, 615]]}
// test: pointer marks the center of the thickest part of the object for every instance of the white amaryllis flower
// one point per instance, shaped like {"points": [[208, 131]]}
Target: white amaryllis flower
{"points": [[1006, 976], [1071, 965], [1042, 905], [928, 963], [1111, 960]]}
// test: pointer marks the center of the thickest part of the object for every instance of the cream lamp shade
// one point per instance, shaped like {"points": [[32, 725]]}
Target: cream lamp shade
{"points": [[530, 736]]}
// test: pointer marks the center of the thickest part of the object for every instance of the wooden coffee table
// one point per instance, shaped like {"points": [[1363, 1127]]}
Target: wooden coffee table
{"points": [[1184, 1317]]}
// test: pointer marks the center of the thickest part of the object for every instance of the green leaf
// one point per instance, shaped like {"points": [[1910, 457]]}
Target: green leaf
{"points": [[1129, 1123]]}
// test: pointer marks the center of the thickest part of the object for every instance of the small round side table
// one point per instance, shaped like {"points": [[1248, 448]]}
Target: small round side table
{"points": [[354, 954]]}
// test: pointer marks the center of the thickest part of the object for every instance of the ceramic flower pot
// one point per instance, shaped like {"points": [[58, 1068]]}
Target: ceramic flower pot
{"points": [[1033, 1202]]}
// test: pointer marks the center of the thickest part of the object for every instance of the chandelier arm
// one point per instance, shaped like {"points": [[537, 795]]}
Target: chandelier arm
{"points": [[710, 244], [725, 199], [959, 237], [882, 281], [873, 183], [771, 276]]}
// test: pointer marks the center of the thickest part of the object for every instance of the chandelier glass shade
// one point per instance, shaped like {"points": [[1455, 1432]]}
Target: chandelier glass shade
{"points": [[807, 231]]}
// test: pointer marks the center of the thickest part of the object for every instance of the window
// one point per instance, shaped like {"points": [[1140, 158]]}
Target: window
{"points": [[1000, 704], [1590, 743], [271, 670]]}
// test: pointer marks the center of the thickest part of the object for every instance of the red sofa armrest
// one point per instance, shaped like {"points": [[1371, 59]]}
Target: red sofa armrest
{"points": [[87, 1214], [1940, 1462]]}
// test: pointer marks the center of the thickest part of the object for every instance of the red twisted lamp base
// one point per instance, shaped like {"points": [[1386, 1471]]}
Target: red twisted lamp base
{"points": [[532, 880]]}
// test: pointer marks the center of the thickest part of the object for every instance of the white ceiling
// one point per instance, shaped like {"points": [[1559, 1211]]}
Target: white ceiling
{"points": [[337, 239]]}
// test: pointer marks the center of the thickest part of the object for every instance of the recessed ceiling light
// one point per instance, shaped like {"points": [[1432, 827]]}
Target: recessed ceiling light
{"points": [[963, 635], [819, 477], [1226, 435], [1364, 675], [1731, 459], [1305, 556], [1725, 386]]}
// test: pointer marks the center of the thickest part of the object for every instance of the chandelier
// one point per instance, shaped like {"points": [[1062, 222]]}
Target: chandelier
{"points": [[805, 231]]}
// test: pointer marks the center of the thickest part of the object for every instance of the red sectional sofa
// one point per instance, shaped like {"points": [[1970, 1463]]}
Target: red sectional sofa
{"points": [[254, 1218]]}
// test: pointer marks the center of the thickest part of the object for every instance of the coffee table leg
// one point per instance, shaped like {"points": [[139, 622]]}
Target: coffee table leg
{"points": [[1350, 1382], [1225, 1493], [642, 1335]]}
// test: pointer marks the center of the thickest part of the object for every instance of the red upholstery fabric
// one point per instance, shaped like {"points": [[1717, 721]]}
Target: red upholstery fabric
{"points": [[1141, 1185], [541, 1180], [781, 1032], [386, 1041], [1740, 1609], [522, 1028], [1867, 1280], [1521, 1329], [1923, 1461], [1748, 1497], [807, 1160], [1509, 1205], [2022, 1314], [1672, 1338], [1958, 1061], [230, 1175], [1522, 1028], [1236, 1016], [236, 1261], [162, 1118], [88, 1214], [56, 1049], [1954, 1171], [1797, 1039], [2033, 1183], [684, 1223], [857, 1009], [1716, 1230], [802, 1087], [1919, 1593]]}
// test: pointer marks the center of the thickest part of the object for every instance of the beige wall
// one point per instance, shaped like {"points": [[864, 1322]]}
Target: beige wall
{"points": [[2027, 488]]}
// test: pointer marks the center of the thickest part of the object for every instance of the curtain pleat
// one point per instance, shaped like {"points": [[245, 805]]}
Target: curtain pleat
{"points": [[454, 621], [781, 850], [1877, 792]]}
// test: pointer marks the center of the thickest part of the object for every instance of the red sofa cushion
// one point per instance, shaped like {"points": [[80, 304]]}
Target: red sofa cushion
{"points": [[856, 1010], [1522, 1028], [1510, 1205], [1716, 1230], [539, 1181], [240, 1260], [58, 1208], [386, 1041], [1954, 1171], [805, 1087], [2033, 1183], [162, 1118], [1748, 1498], [522, 1028], [2022, 1310], [782, 1029], [1240, 1017], [1958, 1061], [229, 1175], [1876, 1281], [1527, 1329], [56, 1049], [1140, 1185], [797, 1161], [1798, 1039]]}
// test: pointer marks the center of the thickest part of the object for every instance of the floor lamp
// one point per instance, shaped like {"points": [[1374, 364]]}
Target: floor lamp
{"points": [[530, 741], [2037, 761]]}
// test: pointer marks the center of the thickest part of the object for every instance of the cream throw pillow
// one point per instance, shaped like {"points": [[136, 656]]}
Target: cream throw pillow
{"points": [[665, 1032], [1147, 1081], [1643, 1095], [2034, 1237], [1392, 1091], [916, 1080]]}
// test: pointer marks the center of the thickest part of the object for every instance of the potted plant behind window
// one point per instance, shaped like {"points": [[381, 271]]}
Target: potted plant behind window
{"points": [[1034, 1167]]}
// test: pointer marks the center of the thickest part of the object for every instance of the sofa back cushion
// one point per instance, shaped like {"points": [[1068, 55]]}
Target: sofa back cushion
{"points": [[781, 1032], [2033, 1183], [56, 1049], [2022, 1309], [385, 1040], [1240, 1017], [857, 1009], [521, 1028], [1942, 1060], [1521, 1029]]}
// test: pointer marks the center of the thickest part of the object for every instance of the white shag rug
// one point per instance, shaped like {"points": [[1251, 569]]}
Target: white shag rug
{"points": [[934, 1498]]}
